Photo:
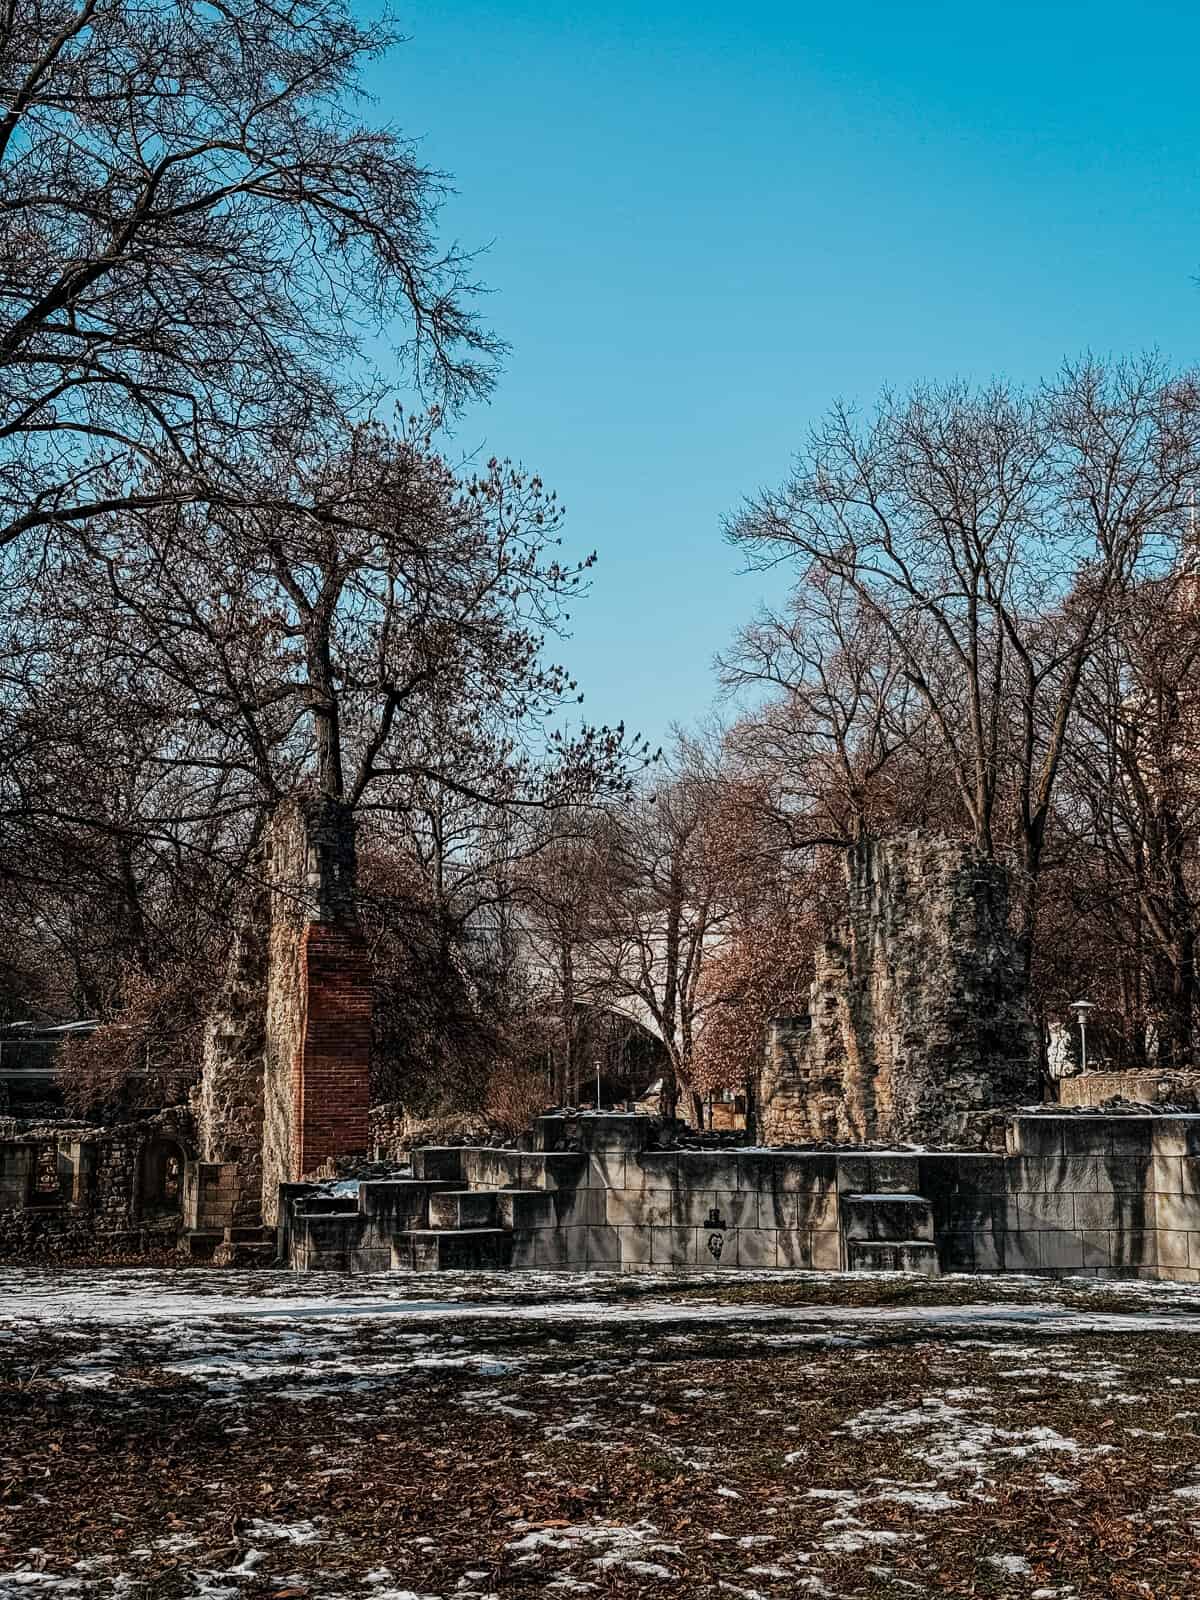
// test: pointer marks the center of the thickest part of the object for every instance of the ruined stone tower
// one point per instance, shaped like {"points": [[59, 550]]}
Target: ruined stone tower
{"points": [[285, 1080], [917, 1014]]}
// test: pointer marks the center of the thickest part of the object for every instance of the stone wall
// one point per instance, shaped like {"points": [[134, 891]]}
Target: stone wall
{"points": [[916, 1014], [71, 1189], [1173, 1086], [1070, 1195], [228, 1101], [318, 1001]]}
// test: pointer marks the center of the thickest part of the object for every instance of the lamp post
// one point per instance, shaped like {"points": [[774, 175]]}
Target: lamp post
{"points": [[1081, 1008], [596, 1064]]}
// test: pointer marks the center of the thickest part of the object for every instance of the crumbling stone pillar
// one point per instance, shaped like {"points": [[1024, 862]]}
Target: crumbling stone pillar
{"points": [[917, 1015], [285, 1080], [318, 1011]]}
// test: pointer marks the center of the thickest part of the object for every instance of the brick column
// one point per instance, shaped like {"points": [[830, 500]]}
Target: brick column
{"points": [[331, 1081]]}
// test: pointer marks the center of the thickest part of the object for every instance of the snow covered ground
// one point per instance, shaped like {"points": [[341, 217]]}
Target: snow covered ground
{"points": [[204, 1435]]}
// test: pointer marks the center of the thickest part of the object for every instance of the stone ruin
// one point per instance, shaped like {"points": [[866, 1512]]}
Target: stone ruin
{"points": [[891, 1120], [283, 1090], [285, 1081], [917, 1012]]}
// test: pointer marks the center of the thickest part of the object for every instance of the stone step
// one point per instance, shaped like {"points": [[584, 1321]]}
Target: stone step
{"points": [[893, 1255], [454, 1249], [198, 1244], [887, 1217], [463, 1208], [250, 1235]]}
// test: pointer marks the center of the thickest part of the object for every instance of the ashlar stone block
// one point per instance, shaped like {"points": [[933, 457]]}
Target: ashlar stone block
{"points": [[639, 1208]]}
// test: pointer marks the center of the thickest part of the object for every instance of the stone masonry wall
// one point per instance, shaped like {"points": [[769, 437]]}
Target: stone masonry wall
{"points": [[106, 1193], [1071, 1195], [318, 1002], [916, 1015], [228, 1101]]}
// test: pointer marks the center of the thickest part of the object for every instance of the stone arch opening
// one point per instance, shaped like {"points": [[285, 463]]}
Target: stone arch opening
{"points": [[161, 1178]]}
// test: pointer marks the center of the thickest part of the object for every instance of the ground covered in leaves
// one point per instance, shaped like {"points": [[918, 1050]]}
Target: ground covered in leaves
{"points": [[231, 1436]]}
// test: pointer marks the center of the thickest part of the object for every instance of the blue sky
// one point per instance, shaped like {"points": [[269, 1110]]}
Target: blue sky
{"points": [[705, 225]]}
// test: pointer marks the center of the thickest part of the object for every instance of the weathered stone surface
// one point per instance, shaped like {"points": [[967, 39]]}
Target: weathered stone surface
{"points": [[916, 1015]]}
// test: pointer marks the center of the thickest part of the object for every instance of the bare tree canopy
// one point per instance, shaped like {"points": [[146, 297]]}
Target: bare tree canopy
{"points": [[195, 234], [986, 536]]}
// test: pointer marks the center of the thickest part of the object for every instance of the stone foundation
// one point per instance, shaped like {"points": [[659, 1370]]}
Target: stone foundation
{"points": [[1070, 1195], [916, 1015]]}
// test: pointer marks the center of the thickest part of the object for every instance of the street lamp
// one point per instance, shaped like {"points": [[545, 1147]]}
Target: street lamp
{"points": [[1081, 1008]]}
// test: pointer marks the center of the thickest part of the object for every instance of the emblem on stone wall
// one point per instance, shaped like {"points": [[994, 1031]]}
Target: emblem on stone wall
{"points": [[716, 1243]]}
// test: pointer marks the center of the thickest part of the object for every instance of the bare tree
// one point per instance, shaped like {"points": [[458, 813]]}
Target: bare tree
{"points": [[987, 534], [195, 230]]}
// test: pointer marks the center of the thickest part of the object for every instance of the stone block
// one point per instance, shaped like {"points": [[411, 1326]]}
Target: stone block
{"points": [[1173, 1248], [705, 1169], [639, 1208], [718, 1209], [826, 1251], [853, 1175], [956, 1251], [560, 1169], [1131, 1137], [1166, 1173], [988, 1247], [758, 1170], [492, 1169], [794, 1247], [1096, 1211], [756, 1247], [524, 1209], [1066, 1174], [652, 1169], [603, 1246], [800, 1172], [545, 1248], [549, 1133], [1037, 1137], [467, 1208], [1087, 1136], [604, 1169], [1045, 1210], [1061, 1248], [1173, 1136], [1179, 1274], [1132, 1247], [377, 1258], [635, 1245], [675, 1247], [438, 1161], [982, 1174], [803, 1210], [1097, 1247], [896, 1217], [1129, 1174], [967, 1210], [579, 1208], [1178, 1213], [892, 1174], [613, 1132], [1022, 1252]]}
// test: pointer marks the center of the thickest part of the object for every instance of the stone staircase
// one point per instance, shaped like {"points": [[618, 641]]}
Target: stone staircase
{"points": [[889, 1232]]}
